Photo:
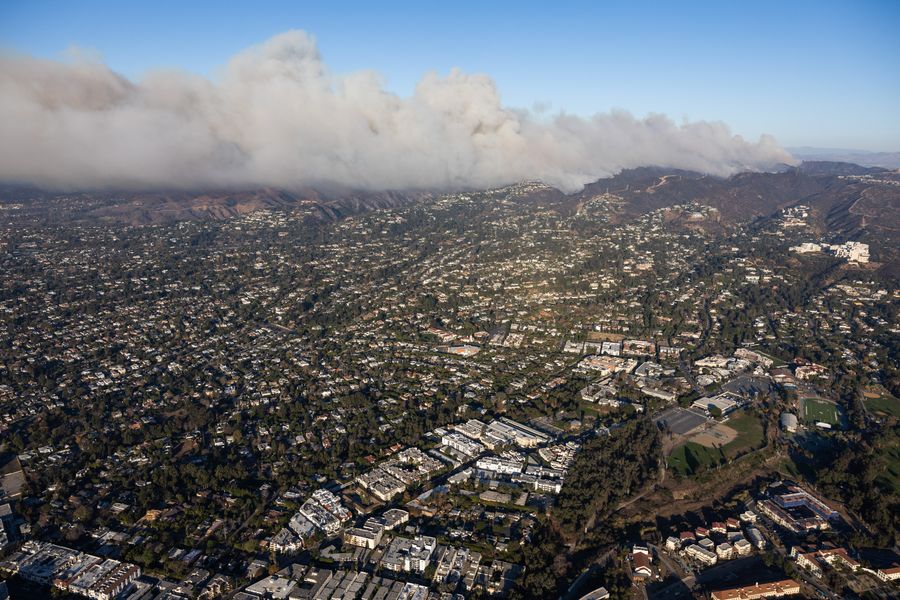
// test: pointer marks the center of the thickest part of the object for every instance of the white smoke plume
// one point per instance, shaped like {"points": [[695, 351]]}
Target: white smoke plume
{"points": [[276, 116]]}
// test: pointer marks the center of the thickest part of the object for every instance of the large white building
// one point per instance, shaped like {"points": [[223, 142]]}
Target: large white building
{"points": [[499, 464], [806, 248], [521, 435], [462, 444], [852, 251]]}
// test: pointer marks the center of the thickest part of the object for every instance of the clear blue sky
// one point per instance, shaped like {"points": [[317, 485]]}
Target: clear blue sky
{"points": [[823, 73]]}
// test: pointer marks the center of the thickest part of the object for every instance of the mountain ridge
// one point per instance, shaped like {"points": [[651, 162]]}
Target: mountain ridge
{"points": [[846, 200]]}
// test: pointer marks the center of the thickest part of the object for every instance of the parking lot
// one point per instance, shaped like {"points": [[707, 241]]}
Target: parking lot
{"points": [[679, 420]]}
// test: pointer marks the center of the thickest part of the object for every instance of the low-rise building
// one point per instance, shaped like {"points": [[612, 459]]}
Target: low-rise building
{"points": [[77, 572], [409, 555], [463, 444], [274, 587], [394, 517], [499, 464], [457, 565], [367, 536], [641, 562], [742, 547], [756, 537], [813, 561], [381, 484], [891, 573], [600, 593], [775, 589], [701, 554], [285, 542], [724, 551], [789, 422]]}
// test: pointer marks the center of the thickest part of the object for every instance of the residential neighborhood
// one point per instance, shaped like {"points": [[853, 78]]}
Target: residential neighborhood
{"points": [[390, 406]]}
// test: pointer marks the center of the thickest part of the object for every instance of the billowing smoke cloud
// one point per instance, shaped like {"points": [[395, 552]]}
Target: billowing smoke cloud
{"points": [[276, 116]]}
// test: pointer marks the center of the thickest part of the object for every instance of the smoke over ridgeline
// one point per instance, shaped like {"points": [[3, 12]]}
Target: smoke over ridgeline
{"points": [[276, 116]]}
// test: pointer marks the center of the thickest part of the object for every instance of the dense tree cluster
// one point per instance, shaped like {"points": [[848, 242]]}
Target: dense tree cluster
{"points": [[860, 476], [608, 470]]}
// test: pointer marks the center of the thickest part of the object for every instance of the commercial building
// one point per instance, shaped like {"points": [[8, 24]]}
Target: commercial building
{"points": [[725, 403]]}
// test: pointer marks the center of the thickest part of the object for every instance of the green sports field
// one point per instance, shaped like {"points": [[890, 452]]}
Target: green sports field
{"points": [[816, 410], [750, 434]]}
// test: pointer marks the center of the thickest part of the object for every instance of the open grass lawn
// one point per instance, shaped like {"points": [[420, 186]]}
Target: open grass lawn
{"points": [[884, 404], [815, 410], [750, 434], [690, 458], [594, 408], [891, 475]]}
